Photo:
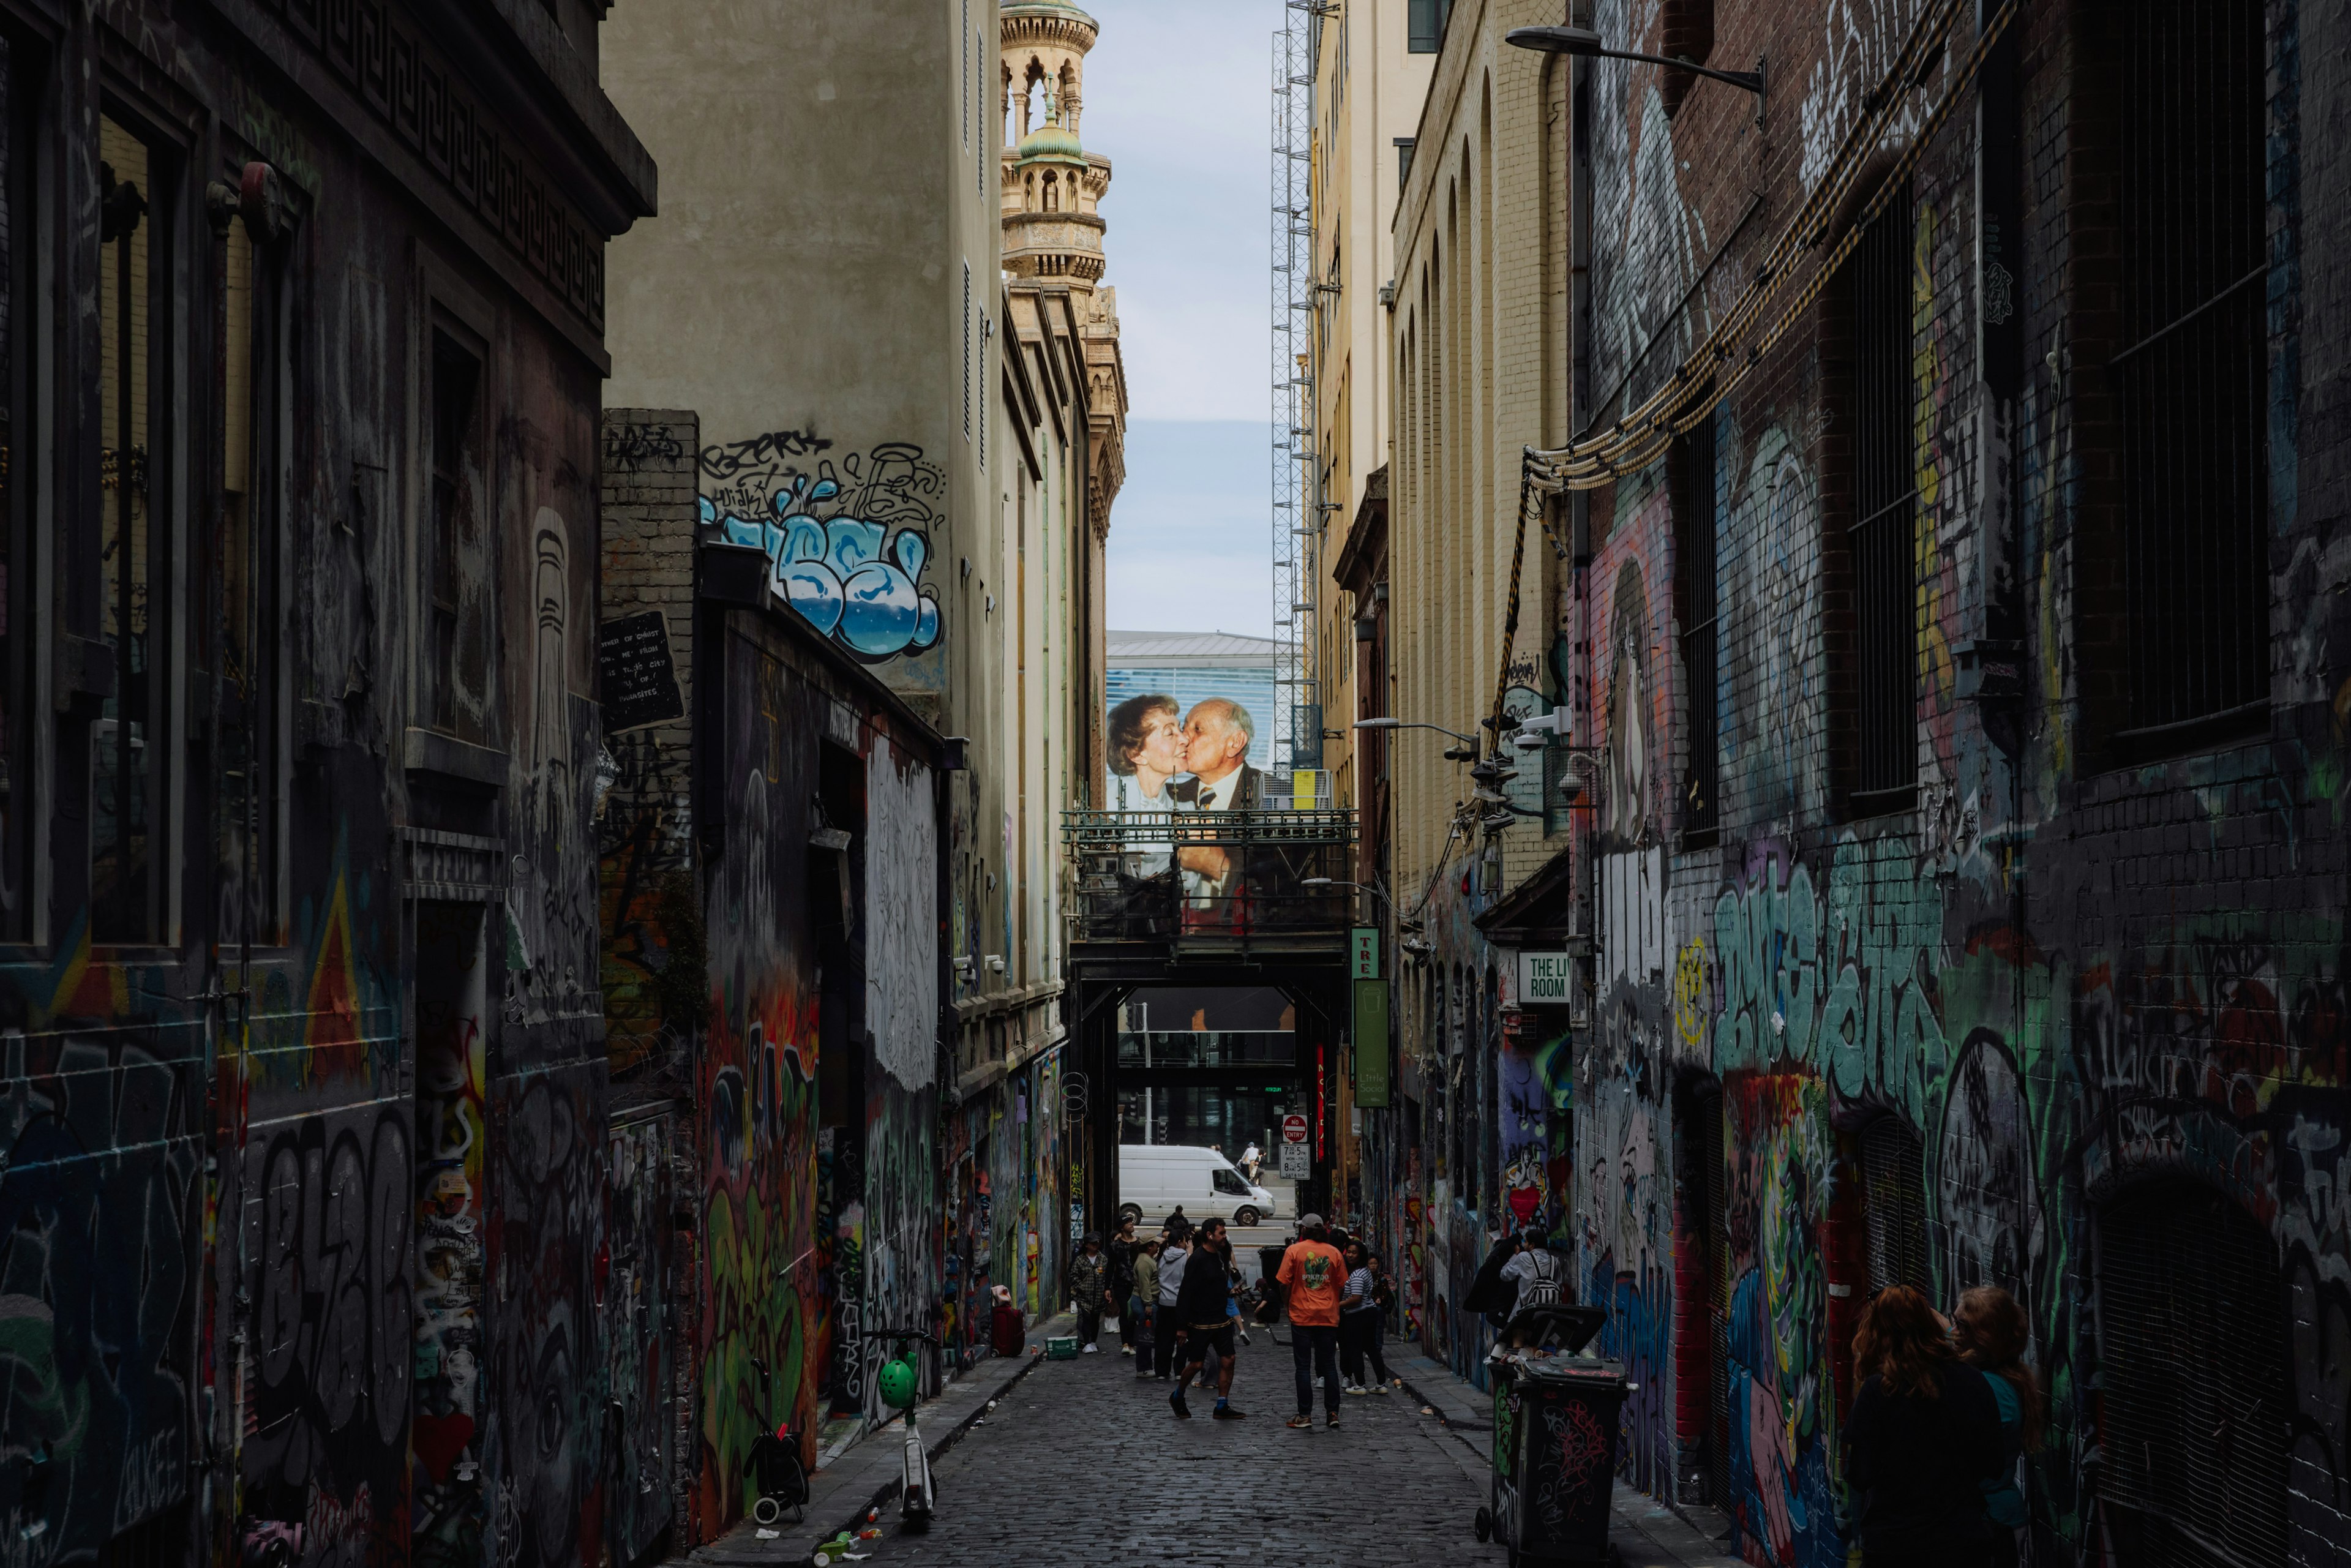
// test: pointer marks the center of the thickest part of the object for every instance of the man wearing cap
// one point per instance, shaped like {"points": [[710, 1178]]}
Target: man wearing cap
{"points": [[1312, 1275]]}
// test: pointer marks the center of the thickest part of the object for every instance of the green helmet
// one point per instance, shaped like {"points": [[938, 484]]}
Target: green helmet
{"points": [[898, 1384]]}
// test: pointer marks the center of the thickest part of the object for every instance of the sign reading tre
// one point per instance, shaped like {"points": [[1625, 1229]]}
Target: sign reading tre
{"points": [[1546, 980]]}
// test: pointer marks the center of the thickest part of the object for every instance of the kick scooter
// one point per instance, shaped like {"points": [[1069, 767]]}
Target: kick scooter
{"points": [[900, 1386]]}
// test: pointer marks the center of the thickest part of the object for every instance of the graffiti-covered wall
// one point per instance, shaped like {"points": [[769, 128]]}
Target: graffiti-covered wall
{"points": [[1971, 1040], [1943, 928]]}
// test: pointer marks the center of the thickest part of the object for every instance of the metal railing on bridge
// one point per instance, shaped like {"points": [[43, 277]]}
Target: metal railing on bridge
{"points": [[1212, 880]]}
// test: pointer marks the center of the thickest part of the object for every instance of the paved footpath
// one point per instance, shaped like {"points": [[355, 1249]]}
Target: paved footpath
{"points": [[1083, 1465]]}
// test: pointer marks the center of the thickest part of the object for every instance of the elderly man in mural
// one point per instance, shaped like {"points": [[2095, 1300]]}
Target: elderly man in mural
{"points": [[1225, 885]]}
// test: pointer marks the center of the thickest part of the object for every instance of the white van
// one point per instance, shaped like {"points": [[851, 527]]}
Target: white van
{"points": [[1154, 1178]]}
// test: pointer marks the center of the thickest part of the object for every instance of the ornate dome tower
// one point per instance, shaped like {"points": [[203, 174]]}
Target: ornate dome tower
{"points": [[1053, 186]]}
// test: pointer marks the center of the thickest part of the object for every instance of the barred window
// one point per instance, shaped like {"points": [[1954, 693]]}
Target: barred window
{"points": [[1894, 1205], [1694, 542], [1882, 541], [967, 333], [2193, 261]]}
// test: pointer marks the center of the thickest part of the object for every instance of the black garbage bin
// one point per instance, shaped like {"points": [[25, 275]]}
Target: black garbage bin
{"points": [[1268, 1263], [1555, 1431]]}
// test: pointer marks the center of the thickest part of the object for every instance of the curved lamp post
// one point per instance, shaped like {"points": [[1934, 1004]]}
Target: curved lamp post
{"points": [[1584, 44]]}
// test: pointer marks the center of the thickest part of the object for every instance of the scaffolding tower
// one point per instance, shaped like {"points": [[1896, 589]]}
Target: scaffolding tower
{"points": [[1297, 518]]}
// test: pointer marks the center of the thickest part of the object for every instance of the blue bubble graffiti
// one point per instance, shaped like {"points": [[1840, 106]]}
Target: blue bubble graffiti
{"points": [[848, 542]]}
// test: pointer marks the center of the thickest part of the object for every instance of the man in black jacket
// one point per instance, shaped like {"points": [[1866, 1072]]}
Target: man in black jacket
{"points": [[1204, 1320]]}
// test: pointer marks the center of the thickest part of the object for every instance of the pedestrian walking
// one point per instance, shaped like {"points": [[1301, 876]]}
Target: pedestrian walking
{"points": [[1173, 1257], [1204, 1307], [1359, 1320], [1311, 1273], [1252, 1161], [1089, 1289], [1991, 1335], [1124, 1246], [1923, 1437], [1143, 1306]]}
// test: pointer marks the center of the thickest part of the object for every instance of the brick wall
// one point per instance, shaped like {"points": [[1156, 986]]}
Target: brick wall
{"points": [[651, 491], [2060, 979]]}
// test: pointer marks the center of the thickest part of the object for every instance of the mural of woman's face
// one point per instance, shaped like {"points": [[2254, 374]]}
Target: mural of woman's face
{"points": [[1162, 750]]}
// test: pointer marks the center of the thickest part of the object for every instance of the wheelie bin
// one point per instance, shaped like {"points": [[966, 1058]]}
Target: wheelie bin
{"points": [[1555, 1431]]}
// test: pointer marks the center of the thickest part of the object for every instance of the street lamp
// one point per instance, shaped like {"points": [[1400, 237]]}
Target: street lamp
{"points": [[1582, 43], [1453, 752]]}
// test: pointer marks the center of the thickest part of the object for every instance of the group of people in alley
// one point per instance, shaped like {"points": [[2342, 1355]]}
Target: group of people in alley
{"points": [[1945, 1410], [1184, 1310]]}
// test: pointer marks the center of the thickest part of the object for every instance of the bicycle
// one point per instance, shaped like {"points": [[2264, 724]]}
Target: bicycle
{"points": [[900, 1386], [775, 1462]]}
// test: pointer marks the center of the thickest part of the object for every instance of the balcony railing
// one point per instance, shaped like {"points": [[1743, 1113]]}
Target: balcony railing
{"points": [[1212, 879]]}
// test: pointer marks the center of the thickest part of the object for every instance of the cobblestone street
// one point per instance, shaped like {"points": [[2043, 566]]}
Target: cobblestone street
{"points": [[1083, 1464]]}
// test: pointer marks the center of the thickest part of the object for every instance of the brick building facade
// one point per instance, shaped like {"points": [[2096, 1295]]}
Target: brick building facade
{"points": [[1932, 542]]}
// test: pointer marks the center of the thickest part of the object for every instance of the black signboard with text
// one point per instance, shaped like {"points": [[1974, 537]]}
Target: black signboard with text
{"points": [[636, 674]]}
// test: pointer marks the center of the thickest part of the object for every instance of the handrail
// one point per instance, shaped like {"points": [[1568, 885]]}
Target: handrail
{"points": [[1088, 829]]}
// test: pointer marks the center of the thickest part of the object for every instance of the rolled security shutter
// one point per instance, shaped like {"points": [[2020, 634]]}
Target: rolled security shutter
{"points": [[1894, 1202], [2192, 1334]]}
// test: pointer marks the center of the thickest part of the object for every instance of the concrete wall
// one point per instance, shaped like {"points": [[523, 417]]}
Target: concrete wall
{"points": [[821, 283]]}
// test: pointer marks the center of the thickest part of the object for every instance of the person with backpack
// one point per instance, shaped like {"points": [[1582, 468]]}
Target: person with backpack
{"points": [[1123, 1248], [1143, 1306], [1538, 1273], [1359, 1322], [1991, 1334], [1173, 1259]]}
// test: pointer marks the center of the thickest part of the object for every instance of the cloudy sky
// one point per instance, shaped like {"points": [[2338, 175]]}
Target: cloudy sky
{"points": [[1178, 99]]}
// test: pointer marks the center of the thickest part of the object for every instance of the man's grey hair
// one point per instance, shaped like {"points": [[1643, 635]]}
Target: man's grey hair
{"points": [[1236, 715]]}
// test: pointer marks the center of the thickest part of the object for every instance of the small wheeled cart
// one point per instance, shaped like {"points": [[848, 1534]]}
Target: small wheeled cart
{"points": [[1555, 1426]]}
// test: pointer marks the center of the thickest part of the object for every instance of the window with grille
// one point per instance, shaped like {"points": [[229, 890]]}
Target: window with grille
{"points": [[1424, 27], [249, 558], [20, 246], [1882, 539], [2193, 263], [1694, 540], [1894, 1205], [131, 757], [968, 334], [2192, 1350]]}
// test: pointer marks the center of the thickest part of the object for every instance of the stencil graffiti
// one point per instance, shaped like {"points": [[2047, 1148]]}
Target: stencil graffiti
{"points": [[848, 541]]}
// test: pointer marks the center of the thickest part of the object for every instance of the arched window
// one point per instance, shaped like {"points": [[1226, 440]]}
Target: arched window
{"points": [[2192, 1351]]}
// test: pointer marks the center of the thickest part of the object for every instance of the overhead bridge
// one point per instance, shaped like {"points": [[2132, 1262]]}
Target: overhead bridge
{"points": [[1208, 899]]}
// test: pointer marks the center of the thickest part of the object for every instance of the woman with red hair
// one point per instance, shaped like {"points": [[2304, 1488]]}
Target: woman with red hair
{"points": [[1923, 1437]]}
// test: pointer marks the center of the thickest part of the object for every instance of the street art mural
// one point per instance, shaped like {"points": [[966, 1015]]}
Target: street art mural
{"points": [[640, 1297], [98, 1280], [453, 1194], [765, 1272], [850, 538]]}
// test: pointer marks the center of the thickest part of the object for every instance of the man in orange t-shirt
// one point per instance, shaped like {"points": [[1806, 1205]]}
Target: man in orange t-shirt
{"points": [[1312, 1277]]}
